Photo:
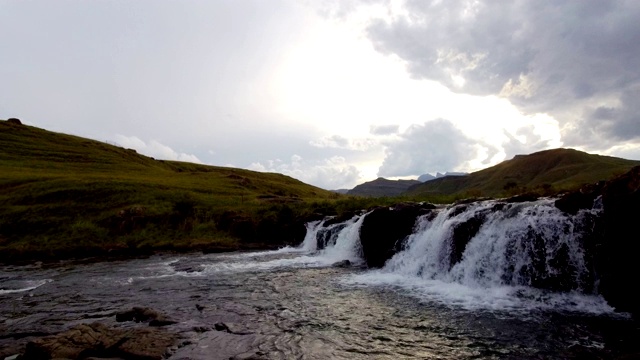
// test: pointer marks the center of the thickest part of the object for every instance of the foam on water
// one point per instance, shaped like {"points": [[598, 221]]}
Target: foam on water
{"points": [[493, 273], [519, 299], [512, 251], [25, 285], [255, 254], [347, 244]]}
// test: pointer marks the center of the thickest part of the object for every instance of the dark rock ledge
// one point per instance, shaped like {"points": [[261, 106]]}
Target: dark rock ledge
{"points": [[99, 341]]}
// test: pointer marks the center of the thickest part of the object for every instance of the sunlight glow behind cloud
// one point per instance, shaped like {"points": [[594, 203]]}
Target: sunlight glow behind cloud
{"points": [[345, 90]]}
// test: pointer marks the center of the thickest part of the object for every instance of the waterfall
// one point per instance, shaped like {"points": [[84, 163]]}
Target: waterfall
{"points": [[525, 244], [336, 241], [347, 242], [310, 244], [488, 254]]}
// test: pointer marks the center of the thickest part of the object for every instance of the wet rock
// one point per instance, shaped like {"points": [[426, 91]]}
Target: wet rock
{"points": [[338, 219], [618, 259], [470, 200], [457, 210], [582, 199], [143, 314], [229, 328], [161, 321], [462, 233], [342, 264], [327, 235], [201, 329], [522, 198], [99, 341], [221, 327], [384, 230]]}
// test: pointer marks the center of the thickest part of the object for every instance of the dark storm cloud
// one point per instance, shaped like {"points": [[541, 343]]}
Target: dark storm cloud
{"points": [[577, 60], [434, 146]]}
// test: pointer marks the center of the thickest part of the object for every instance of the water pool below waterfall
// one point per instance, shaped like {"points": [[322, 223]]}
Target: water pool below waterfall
{"points": [[292, 305]]}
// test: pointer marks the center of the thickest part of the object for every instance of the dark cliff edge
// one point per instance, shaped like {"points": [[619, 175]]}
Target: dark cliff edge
{"points": [[620, 276]]}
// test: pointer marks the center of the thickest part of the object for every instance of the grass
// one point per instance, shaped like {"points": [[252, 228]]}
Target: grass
{"points": [[67, 196], [61, 193], [544, 173]]}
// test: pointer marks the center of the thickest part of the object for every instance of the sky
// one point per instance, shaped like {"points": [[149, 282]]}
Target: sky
{"points": [[333, 93]]}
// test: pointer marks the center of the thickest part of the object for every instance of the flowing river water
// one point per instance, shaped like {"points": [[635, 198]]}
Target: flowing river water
{"points": [[293, 304]]}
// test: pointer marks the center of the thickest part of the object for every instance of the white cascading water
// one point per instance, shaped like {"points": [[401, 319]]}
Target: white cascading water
{"points": [[500, 253], [335, 242], [310, 242], [347, 243], [516, 247]]}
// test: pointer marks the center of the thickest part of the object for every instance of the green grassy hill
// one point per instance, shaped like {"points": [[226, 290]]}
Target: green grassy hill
{"points": [[546, 172], [66, 195]]}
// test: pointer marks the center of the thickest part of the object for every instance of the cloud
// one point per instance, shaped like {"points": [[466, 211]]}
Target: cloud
{"points": [[434, 146], [524, 141], [573, 60], [155, 149], [627, 151], [340, 142], [332, 173], [383, 129]]}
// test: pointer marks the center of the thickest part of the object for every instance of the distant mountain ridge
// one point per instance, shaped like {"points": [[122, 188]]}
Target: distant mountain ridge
{"points": [[544, 172], [383, 187], [428, 177]]}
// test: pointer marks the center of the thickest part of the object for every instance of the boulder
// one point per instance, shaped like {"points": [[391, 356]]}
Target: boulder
{"points": [[462, 233], [342, 264], [522, 198], [14, 121], [144, 314], [229, 328], [328, 235], [582, 199], [98, 340], [618, 263], [384, 230]]}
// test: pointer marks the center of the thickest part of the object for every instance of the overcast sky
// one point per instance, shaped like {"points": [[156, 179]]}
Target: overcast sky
{"points": [[333, 93]]}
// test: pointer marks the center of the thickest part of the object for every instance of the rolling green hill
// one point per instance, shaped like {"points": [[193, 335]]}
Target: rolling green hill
{"points": [[66, 195], [546, 172]]}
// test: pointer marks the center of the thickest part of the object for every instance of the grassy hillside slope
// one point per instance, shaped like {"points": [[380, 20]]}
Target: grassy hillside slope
{"points": [[65, 194], [545, 172]]}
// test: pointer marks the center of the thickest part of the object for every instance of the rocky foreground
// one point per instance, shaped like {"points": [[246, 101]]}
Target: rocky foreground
{"points": [[147, 340]]}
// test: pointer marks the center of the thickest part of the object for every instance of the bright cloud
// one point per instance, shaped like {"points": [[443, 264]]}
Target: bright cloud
{"points": [[571, 60], [430, 147], [332, 173], [346, 90], [154, 149]]}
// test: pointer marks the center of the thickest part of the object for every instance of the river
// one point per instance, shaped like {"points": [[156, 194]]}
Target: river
{"points": [[293, 304]]}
